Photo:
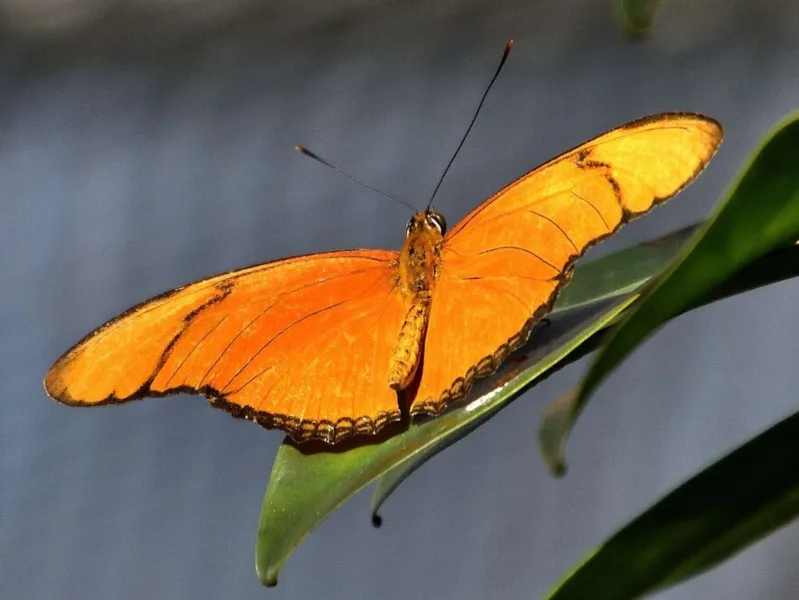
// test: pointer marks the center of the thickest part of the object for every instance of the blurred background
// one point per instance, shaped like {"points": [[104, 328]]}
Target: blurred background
{"points": [[145, 144]]}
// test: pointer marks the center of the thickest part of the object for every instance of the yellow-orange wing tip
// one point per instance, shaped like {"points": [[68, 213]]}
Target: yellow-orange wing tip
{"points": [[506, 261], [298, 344]]}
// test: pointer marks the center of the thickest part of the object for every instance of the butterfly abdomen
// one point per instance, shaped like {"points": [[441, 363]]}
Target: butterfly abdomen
{"points": [[408, 348]]}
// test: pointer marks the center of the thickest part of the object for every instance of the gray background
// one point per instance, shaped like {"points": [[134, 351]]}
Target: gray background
{"points": [[142, 149]]}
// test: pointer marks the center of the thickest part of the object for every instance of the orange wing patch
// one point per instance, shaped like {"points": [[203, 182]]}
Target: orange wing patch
{"points": [[504, 263], [301, 344]]}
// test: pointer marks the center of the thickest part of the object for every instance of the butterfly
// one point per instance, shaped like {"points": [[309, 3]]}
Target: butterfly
{"points": [[326, 346]]}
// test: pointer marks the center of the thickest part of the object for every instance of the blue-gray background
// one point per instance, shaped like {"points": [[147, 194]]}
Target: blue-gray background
{"points": [[142, 150]]}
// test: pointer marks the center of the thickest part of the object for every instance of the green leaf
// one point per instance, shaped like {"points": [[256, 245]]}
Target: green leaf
{"points": [[636, 15], [759, 215], [716, 514], [309, 482]]}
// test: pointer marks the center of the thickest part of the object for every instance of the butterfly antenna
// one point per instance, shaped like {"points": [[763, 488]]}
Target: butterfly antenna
{"points": [[316, 157], [508, 46]]}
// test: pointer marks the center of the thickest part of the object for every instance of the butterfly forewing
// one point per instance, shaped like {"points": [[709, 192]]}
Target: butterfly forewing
{"points": [[504, 263], [301, 344]]}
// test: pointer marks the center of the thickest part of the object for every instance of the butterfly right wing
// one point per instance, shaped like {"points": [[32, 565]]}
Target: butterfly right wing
{"points": [[505, 262], [301, 344]]}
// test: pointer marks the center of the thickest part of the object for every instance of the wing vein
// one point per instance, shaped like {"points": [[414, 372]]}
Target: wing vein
{"points": [[280, 333], [193, 348], [525, 250], [292, 325], [340, 325], [596, 210], [563, 231], [527, 277], [522, 208], [508, 293], [263, 313]]}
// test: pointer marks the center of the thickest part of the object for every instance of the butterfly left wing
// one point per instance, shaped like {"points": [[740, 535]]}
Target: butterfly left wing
{"points": [[301, 344], [504, 263]]}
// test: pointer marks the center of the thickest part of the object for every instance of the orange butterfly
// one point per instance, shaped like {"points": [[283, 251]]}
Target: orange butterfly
{"points": [[325, 346]]}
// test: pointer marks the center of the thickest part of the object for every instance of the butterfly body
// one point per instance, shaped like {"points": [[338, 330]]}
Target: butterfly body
{"points": [[419, 265], [319, 345]]}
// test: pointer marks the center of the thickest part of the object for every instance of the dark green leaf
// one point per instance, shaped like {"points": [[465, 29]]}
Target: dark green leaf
{"points": [[310, 482], [759, 215], [307, 483], [737, 501]]}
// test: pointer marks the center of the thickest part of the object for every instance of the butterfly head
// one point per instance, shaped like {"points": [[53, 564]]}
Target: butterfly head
{"points": [[427, 220]]}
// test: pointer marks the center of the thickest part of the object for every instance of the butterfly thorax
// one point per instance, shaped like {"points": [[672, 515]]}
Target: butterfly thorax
{"points": [[418, 269]]}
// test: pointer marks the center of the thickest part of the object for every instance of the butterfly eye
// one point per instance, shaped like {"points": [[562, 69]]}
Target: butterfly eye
{"points": [[436, 219]]}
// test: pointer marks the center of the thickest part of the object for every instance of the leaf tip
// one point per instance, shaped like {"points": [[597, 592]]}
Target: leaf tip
{"points": [[377, 520], [555, 462], [553, 431], [267, 573], [269, 579], [559, 468], [553, 456]]}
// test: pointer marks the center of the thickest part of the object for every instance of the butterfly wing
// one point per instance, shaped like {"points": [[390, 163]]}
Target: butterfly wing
{"points": [[301, 344], [504, 263]]}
